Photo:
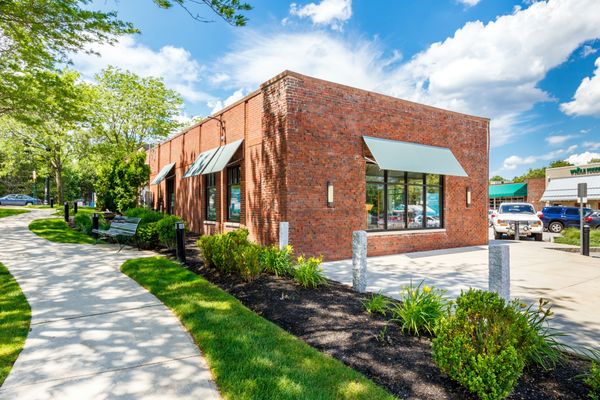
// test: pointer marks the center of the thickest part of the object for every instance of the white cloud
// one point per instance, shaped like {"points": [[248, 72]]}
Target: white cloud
{"points": [[591, 145], [469, 3], [582, 158], [588, 50], [555, 140], [217, 105], [328, 12], [586, 100], [174, 64], [488, 69], [512, 162]]}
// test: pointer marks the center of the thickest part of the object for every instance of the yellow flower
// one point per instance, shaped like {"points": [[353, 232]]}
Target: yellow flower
{"points": [[426, 289]]}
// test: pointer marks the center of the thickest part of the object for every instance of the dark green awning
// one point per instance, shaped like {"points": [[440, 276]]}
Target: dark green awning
{"points": [[508, 190], [162, 174]]}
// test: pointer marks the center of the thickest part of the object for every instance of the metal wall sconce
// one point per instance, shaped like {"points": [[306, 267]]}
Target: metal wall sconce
{"points": [[468, 196], [329, 194]]}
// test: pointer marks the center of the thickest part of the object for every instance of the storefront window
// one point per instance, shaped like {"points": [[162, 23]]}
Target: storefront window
{"points": [[234, 194], [402, 200], [211, 197]]}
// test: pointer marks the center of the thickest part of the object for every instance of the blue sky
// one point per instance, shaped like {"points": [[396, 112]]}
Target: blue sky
{"points": [[533, 67]]}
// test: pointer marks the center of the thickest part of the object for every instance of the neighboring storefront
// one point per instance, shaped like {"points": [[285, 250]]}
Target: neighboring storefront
{"points": [[329, 160], [529, 191], [561, 185]]}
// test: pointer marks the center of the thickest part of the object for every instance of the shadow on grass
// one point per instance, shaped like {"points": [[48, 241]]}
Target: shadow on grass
{"points": [[250, 357], [57, 230]]}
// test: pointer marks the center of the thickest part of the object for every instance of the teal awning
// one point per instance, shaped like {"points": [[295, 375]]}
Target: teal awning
{"points": [[412, 157], [222, 157], [162, 174], [508, 190], [200, 163]]}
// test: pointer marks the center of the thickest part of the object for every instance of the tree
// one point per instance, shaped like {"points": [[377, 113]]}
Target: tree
{"points": [[497, 178], [559, 163], [594, 160], [230, 10]]}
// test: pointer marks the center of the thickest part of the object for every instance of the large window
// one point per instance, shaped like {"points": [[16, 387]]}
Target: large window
{"points": [[211, 197], [234, 194], [403, 200]]}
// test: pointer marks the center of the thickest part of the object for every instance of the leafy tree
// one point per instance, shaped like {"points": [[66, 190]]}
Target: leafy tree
{"points": [[232, 11], [594, 160], [120, 181], [559, 163], [497, 178]]}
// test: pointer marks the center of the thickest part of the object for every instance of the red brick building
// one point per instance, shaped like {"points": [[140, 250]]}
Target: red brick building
{"points": [[329, 159]]}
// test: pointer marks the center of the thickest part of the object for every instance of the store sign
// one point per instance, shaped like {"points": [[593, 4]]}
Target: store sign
{"points": [[585, 171]]}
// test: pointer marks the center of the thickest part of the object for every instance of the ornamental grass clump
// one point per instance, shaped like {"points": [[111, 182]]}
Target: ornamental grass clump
{"points": [[592, 379], [308, 272], [420, 308], [278, 261], [377, 304]]}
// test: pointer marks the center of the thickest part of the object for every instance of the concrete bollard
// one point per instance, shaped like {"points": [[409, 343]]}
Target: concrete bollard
{"points": [[499, 270], [284, 231], [359, 261]]}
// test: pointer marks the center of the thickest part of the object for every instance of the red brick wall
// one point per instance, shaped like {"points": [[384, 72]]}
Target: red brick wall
{"points": [[535, 190], [325, 126]]}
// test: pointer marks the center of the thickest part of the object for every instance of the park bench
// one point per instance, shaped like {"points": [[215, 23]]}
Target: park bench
{"points": [[121, 230]]}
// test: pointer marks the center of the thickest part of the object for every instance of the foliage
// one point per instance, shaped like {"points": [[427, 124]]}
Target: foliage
{"points": [[592, 379], [56, 230], [308, 272], [119, 182], [83, 223], [571, 236], [219, 250], [230, 10], [146, 215], [147, 234], [9, 212], [15, 317], [377, 304], [166, 230], [247, 260], [497, 178], [540, 344], [560, 163], [479, 345], [540, 172], [251, 357], [277, 261], [420, 308]]}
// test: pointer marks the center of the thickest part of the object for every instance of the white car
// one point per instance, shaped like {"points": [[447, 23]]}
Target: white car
{"points": [[509, 214]]}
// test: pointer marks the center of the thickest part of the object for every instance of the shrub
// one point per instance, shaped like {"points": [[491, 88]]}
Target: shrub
{"points": [[83, 223], [166, 230], [220, 251], [592, 379], [147, 215], [479, 345], [377, 304], [420, 308], [147, 235], [277, 262], [308, 272], [247, 259]]}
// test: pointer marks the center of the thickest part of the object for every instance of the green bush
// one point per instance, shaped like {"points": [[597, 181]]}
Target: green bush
{"points": [[220, 250], [166, 230], [247, 260], [592, 379], [420, 308], [146, 215], [479, 346], [83, 223], [147, 235], [308, 272], [277, 262], [377, 304]]}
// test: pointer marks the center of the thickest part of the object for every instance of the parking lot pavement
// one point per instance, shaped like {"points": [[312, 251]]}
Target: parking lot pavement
{"points": [[538, 269]]}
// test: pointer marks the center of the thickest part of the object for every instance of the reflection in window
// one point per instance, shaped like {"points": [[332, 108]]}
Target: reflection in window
{"points": [[211, 197], [234, 194], [374, 206]]}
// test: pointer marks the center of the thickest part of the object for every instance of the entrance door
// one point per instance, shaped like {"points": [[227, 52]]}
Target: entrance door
{"points": [[171, 195]]}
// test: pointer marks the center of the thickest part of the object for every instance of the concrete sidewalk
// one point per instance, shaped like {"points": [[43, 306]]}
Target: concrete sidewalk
{"points": [[95, 333], [538, 269]]}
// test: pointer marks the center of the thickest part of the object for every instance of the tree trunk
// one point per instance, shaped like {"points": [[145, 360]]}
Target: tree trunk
{"points": [[59, 185]]}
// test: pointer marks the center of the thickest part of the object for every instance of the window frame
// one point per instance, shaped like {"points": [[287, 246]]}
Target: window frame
{"points": [[233, 179], [405, 184], [210, 182]]}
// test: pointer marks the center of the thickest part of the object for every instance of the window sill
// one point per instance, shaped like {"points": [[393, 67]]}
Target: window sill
{"points": [[232, 225], [406, 232], [210, 222]]}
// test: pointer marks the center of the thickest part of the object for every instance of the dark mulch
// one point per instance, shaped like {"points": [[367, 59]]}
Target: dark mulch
{"points": [[332, 319]]}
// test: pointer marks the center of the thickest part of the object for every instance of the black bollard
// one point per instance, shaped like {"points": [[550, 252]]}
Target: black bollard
{"points": [[74, 207], [66, 211], [52, 203], [180, 239], [95, 225], [586, 240]]}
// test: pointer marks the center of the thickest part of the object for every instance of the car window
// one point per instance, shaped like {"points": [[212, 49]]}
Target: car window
{"points": [[551, 210], [517, 209], [572, 211]]}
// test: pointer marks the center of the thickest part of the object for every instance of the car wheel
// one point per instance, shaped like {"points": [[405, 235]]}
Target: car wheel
{"points": [[28, 204], [497, 235], [555, 227], [539, 237]]}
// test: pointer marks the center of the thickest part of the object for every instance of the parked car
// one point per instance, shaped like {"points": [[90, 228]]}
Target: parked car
{"points": [[592, 219], [557, 218], [19, 200], [505, 221]]}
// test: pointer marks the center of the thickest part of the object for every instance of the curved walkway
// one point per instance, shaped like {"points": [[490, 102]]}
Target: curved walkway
{"points": [[95, 333]]}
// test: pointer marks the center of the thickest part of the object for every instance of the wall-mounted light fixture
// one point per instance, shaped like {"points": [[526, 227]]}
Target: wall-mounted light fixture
{"points": [[468, 196], [329, 194]]}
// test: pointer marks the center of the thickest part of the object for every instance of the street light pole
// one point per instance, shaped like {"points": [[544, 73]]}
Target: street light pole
{"points": [[582, 195]]}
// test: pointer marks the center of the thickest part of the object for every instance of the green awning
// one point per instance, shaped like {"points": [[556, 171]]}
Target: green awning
{"points": [[200, 163], [412, 157], [222, 157], [508, 190], [162, 174]]}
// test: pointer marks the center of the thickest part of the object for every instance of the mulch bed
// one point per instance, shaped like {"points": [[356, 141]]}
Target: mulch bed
{"points": [[333, 320]]}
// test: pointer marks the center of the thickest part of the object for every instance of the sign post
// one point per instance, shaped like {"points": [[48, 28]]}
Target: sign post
{"points": [[582, 195]]}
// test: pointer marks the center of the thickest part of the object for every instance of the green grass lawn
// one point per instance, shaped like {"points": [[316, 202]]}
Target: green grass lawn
{"points": [[571, 236], [56, 230], [15, 315], [250, 357], [7, 212]]}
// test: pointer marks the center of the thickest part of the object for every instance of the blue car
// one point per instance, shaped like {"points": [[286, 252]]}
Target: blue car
{"points": [[557, 218], [18, 200]]}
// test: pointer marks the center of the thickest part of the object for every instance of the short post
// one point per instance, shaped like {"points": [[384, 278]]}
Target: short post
{"points": [[52, 203], [517, 227], [284, 232], [359, 261], [66, 211], [499, 270], [95, 225], [74, 207], [586, 240], [180, 239]]}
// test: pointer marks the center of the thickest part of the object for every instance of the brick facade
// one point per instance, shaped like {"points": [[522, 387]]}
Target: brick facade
{"points": [[535, 190], [300, 133]]}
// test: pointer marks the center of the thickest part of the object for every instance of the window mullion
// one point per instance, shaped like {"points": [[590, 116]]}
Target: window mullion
{"points": [[385, 200]]}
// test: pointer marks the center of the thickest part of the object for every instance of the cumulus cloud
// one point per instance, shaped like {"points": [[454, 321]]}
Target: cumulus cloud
{"points": [[512, 162], [217, 105], [491, 69], [469, 3], [586, 100], [582, 158], [328, 12], [179, 70]]}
